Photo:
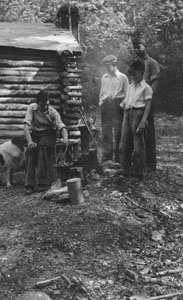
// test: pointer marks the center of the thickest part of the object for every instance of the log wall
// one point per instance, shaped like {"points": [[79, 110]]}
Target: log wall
{"points": [[23, 73]]}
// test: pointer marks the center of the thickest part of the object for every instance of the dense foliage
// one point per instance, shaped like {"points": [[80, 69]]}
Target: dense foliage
{"points": [[106, 26]]}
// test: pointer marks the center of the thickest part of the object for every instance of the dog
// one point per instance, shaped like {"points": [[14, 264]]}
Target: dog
{"points": [[12, 158]]}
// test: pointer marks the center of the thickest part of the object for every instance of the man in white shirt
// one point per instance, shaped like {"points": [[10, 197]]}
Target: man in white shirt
{"points": [[137, 106], [113, 91]]}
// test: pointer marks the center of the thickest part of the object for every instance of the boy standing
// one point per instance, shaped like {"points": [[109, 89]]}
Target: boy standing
{"points": [[113, 91], [137, 106]]}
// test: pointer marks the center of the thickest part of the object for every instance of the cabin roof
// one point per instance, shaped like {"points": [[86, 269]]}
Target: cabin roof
{"points": [[39, 36]]}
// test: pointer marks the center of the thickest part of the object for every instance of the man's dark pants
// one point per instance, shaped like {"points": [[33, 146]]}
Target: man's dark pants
{"points": [[40, 158], [132, 141], [111, 117], [151, 141]]}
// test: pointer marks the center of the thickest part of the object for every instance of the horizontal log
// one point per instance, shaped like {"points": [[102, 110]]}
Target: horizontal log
{"points": [[72, 65], [12, 72], [74, 116], [74, 102], [10, 133], [69, 75], [11, 127], [8, 113], [21, 107], [72, 128], [75, 94], [35, 69], [11, 120], [71, 109], [34, 86], [70, 81], [25, 93], [74, 134], [73, 141], [29, 78], [26, 63], [13, 106], [71, 70], [68, 122], [17, 100]]}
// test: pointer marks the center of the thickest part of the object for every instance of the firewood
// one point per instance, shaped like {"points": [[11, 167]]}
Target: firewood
{"points": [[69, 81], [74, 134], [70, 122], [52, 193], [69, 75], [71, 109], [71, 88], [72, 116], [70, 70], [74, 102], [72, 127], [75, 94], [72, 65]]}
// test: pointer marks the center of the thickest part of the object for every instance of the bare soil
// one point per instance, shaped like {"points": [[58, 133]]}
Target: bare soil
{"points": [[113, 246]]}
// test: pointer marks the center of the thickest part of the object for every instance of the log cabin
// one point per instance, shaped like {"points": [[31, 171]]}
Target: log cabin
{"points": [[33, 57]]}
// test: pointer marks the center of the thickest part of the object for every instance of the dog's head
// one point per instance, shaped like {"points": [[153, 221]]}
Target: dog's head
{"points": [[19, 141]]}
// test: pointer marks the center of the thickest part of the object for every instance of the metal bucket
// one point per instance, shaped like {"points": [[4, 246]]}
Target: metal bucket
{"points": [[75, 191]]}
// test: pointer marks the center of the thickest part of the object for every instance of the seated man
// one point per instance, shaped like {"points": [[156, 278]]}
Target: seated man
{"points": [[41, 124]]}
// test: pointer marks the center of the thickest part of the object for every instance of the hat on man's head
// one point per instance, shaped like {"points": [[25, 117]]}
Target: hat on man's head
{"points": [[109, 59]]}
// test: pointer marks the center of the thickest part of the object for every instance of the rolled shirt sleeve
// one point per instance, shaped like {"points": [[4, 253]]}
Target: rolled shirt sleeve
{"points": [[29, 114], [57, 120], [148, 93]]}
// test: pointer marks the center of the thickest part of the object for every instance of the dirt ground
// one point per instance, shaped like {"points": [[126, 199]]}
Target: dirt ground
{"points": [[126, 239]]}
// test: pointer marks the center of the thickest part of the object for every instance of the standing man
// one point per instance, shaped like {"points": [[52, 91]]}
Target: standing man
{"points": [[151, 76], [113, 91], [137, 106], [41, 123]]}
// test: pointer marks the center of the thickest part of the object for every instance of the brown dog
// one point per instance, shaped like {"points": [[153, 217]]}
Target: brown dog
{"points": [[12, 158]]}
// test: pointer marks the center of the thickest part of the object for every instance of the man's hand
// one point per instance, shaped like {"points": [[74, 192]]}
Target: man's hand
{"points": [[65, 136], [31, 145], [141, 127], [66, 141], [122, 104]]}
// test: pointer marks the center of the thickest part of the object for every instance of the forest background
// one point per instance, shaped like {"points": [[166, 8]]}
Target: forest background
{"points": [[107, 27]]}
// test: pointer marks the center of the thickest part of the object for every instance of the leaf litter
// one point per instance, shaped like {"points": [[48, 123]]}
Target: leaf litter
{"points": [[125, 241]]}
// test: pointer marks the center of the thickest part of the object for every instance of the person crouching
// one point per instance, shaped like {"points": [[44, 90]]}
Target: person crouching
{"points": [[136, 109], [41, 124]]}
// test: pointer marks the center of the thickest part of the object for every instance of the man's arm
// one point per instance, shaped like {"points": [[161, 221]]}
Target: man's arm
{"points": [[31, 144], [142, 123], [154, 85], [65, 135]]}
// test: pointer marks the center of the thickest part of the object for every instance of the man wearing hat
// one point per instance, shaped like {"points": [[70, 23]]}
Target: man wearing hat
{"points": [[113, 91], [151, 76]]}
